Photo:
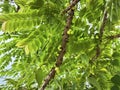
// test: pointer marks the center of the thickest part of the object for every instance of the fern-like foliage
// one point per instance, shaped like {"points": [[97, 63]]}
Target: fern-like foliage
{"points": [[31, 39], [33, 20], [29, 29]]}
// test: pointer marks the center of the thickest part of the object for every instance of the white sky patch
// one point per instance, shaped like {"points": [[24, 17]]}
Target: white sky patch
{"points": [[2, 81], [8, 40], [117, 27], [0, 9], [10, 64], [13, 4], [1, 2], [90, 25], [1, 32]]}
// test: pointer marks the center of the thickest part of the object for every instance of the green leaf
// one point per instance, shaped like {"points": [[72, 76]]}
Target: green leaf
{"points": [[84, 59], [36, 4], [21, 43], [116, 55], [115, 62], [39, 75], [11, 81], [115, 87], [27, 51], [116, 79], [94, 82]]}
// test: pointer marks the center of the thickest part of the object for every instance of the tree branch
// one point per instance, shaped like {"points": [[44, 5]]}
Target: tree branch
{"points": [[65, 37], [114, 36], [102, 27], [50, 76], [70, 6]]}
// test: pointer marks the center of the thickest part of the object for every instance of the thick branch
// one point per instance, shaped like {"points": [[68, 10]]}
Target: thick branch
{"points": [[65, 38], [52, 73], [71, 5], [50, 76]]}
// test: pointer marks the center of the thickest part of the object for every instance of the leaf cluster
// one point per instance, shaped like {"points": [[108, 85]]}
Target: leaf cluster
{"points": [[31, 39]]}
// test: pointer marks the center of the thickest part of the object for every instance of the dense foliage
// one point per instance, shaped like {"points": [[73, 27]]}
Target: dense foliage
{"points": [[31, 37]]}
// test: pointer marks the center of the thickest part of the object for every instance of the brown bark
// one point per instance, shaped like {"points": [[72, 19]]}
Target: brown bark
{"points": [[70, 7], [65, 37], [114, 36]]}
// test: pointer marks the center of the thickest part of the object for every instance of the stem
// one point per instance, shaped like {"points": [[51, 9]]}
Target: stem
{"points": [[102, 27]]}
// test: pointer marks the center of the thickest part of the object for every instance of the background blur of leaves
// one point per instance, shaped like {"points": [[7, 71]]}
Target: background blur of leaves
{"points": [[31, 36]]}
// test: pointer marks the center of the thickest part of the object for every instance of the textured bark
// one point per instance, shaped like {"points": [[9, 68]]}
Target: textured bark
{"points": [[48, 78], [71, 5], [65, 38]]}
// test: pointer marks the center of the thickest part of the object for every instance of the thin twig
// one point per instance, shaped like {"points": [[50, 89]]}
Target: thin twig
{"points": [[102, 27], [114, 36]]}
